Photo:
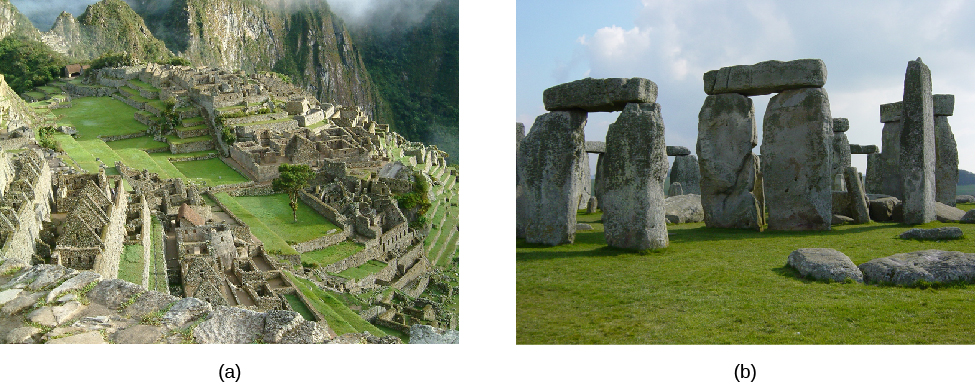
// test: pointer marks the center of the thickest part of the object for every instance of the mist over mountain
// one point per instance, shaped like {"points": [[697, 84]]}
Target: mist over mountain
{"points": [[43, 13]]}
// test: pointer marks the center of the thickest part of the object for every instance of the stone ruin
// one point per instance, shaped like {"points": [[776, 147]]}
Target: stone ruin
{"points": [[552, 162], [25, 204], [919, 161], [90, 213]]}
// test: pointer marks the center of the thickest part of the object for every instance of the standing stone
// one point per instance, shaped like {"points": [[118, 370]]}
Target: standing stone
{"points": [[551, 156], [597, 182], [873, 181], [592, 205], [584, 183], [946, 173], [686, 172], [725, 137], [632, 200], [796, 149], [884, 177], [859, 211], [675, 189], [917, 155], [841, 147]]}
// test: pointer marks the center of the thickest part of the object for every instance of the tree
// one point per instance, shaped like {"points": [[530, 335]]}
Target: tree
{"points": [[293, 179]]}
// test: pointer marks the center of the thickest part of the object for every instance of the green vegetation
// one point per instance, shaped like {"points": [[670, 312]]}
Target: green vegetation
{"points": [[105, 116], [339, 317], [369, 268], [713, 286], [131, 264], [143, 143], [229, 135], [111, 60], [267, 217], [26, 64], [332, 254], [273, 243], [212, 171], [292, 179], [417, 201], [300, 307]]}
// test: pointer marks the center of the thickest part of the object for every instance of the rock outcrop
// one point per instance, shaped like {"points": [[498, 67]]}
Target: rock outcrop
{"points": [[824, 264]]}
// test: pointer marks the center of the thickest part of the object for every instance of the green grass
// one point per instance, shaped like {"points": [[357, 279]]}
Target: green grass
{"points": [[298, 306], [274, 211], [100, 151], [272, 242], [335, 253], [140, 160], [263, 122], [966, 207], [213, 171], [75, 151], [36, 95], [370, 267], [713, 286], [338, 316], [144, 85], [105, 116], [131, 264], [176, 140], [143, 143]]}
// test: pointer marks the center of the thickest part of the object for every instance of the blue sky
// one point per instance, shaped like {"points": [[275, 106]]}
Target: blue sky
{"points": [[865, 45]]}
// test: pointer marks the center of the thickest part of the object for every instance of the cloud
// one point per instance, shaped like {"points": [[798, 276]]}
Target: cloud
{"points": [[43, 13], [386, 14]]}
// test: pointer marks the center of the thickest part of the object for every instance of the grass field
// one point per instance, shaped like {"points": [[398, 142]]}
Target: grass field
{"points": [[370, 267], [329, 255], [213, 171], [298, 306], [338, 316], [105, 116], [131, 264], [713, 286], [275, 212]]}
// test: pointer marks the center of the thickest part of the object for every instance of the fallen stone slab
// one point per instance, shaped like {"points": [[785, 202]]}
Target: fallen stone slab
{"points": [[185, 311], [964, 199], [21, 335], [147, 303], [79, 281], [114, 293], [943, 233], [857, 149], [683, 209], [948, 214], [841, 220], [766, 77], [969, 217], [583, 227], [22, 302], [676, 150], [928, 266], [93, 337], [10, 294], [824, 264], [599, 95], [138, 334]]}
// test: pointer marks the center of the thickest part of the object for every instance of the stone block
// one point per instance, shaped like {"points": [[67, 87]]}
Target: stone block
{"points": [[674, 150], [824, 264], [917, 150], [595, 147], [635, 168], [841, 124], [857, 149], [928, 266], [856, 197], [726, 136], [841, 153], [946, 161], [891, 112], [766, 77], [796, 151], [599, 95], [944, 105], [549, 160], [686, 172]]}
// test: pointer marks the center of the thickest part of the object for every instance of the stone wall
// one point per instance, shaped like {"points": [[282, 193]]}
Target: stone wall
{"points": [[113, 234], [122, 137], [23, 224], [89, 90], [146, 241], [326, 210], [369, 253], [196, 146], [254, 190], [321, 242], [232, 121]]}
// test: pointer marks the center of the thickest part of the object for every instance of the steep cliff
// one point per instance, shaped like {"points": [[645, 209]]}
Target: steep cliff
{"points": [[303, 40], [105, 27], [14, 23]]}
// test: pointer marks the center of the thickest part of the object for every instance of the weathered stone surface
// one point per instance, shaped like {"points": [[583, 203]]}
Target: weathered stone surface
{"points": [[634, 168], [43, 316], [21, 335], [550, 158], [883, 173], [93, 337], [186, 310], [796, 143], [230, 325], [857, 149], [147, 303], [10, 294], [841, 220], [37, 276], [841, 124], [964, 199], [22, 302], [824, 264], [891, 112], [917, 151], [595, 147], [138, 334], [946, 161], [597, 181], [684, 209], [726, 136], [425, 334], [841, 155], [931, 266], [66, 312], [114, 293], [583, 227], [857, 197], [873, 181], [79, 281], [675, 189], [599, 95], [592, 205], [675, 150], [944, 105], [947, 214], [686, 172], [969, 217], [766, 77], [943, 233]]}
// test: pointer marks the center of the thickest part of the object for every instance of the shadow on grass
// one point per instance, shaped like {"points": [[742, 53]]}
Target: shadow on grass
{"points": [[699, 233]]}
